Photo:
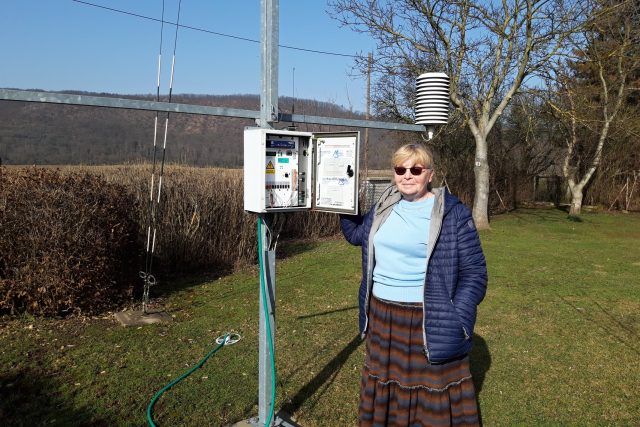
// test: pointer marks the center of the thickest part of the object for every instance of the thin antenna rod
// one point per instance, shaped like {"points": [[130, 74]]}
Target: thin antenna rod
{"points": [[293, 100], [148, 278], [146, 275], [166, 121]]}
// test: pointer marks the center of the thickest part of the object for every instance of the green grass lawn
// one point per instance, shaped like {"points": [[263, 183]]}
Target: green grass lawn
{"points": [[556, 340]]}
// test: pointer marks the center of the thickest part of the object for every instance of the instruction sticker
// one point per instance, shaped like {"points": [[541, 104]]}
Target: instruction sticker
{"points": [[336, 157]]}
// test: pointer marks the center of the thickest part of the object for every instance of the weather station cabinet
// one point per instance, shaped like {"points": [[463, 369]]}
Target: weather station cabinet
{"points": [[287, 171]]}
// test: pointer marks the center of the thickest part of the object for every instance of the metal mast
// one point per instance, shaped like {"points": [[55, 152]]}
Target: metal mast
{"points": [[270, 12]]}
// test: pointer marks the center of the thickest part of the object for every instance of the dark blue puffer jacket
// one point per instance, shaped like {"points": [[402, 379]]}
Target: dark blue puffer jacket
{"points": [[456, 279]]}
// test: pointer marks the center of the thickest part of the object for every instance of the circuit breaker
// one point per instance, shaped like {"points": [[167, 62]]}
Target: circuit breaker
{"points": [[294, 171]]}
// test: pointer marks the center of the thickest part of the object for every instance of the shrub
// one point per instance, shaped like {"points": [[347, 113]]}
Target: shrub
{"points": [[68, 236], [67, 242], [201, 223]]}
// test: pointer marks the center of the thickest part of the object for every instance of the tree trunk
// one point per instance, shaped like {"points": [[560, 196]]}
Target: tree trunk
{"points": [[576, 201], [481, 197]]}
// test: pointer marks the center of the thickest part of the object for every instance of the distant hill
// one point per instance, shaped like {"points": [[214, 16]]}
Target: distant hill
{"points": [[49, 134]]}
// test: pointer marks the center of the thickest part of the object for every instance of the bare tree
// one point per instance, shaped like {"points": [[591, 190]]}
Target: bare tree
{"points": [[592, 89], [488, 48], [524, 151]]}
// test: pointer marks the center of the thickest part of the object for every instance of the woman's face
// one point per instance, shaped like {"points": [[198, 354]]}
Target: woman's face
{"points": [[413, 187]]}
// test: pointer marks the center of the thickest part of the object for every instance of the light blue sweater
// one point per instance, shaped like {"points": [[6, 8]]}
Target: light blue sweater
{"points": [[401, 250]]}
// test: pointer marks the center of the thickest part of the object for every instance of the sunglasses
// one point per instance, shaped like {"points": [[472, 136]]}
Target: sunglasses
{"points": [[415, 170]]}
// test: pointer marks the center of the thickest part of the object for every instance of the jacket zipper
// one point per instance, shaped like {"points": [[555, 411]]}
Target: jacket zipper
{"points": [[424, 312], [371, 255], [366, 297]]}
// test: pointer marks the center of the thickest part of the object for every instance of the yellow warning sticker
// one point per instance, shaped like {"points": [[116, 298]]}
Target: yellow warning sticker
{"points": [[270, 168]]}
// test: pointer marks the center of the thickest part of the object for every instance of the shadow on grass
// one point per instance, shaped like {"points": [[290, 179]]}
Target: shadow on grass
{"points": [[575, 218], [610, 325], [552, 214], [173, 284], [169, 283], [323, 379], [480, 361], [290, 248], [324, 313], [480, 364], [30, 398]]}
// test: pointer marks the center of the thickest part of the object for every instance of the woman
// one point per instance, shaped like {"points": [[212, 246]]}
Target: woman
{"points": [[424, 274]]}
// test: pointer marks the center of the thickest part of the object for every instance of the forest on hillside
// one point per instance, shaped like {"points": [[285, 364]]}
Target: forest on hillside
{"points": [[47, 134]]}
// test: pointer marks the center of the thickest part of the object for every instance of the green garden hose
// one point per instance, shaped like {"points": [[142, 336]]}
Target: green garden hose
{"points": [[180, 378], [225, 340], [268, 323]]}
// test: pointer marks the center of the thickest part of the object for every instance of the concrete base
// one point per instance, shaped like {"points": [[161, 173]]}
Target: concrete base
{"points": [[282, 419], [139, 318]]}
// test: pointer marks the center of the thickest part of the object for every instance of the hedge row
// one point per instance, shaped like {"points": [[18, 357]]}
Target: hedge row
{"points": [[73, 239], [66, 242]]}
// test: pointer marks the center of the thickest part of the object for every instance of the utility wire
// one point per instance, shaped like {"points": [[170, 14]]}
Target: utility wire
{"points": [[322, 52]]}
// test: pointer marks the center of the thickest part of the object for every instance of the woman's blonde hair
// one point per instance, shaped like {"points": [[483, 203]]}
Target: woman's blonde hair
{"points": [[416, 152]]}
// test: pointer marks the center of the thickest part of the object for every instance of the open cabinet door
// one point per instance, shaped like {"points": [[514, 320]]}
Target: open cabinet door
{"points": [[336, 172]]}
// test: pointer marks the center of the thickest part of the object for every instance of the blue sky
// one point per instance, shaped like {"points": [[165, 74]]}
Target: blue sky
{"points": [[62, 44]]}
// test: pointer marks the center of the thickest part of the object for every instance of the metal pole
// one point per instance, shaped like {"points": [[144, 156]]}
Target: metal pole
{"points": [[264, 357], [269, 42], [268, 114]]}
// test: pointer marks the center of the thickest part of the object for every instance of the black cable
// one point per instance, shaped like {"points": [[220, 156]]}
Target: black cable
{"points": [[177, 24]]}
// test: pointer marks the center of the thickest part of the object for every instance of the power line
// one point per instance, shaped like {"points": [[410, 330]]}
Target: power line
{"points": [[322, 52]]}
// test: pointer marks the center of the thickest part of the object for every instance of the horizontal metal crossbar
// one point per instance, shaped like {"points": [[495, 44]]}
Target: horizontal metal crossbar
{"points": [[132, 104], [172, 107]]}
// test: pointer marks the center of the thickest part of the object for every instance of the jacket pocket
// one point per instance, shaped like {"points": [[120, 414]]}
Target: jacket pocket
{"points": [[464, 330]]}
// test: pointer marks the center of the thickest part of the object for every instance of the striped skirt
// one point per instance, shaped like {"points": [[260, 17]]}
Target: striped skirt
{"points": [[399, 387]]}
